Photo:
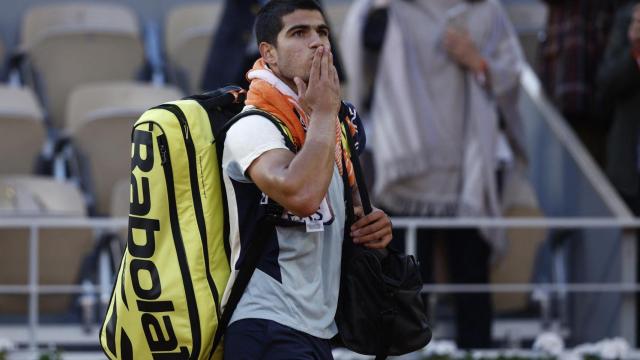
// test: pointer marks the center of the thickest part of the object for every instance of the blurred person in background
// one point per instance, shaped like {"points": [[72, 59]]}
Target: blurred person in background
{"points": [[444, 117], [619, 87], [232, 50], [570, 53]]}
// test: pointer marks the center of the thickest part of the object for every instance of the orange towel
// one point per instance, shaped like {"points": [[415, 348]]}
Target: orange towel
{"points": [[269, 93]]}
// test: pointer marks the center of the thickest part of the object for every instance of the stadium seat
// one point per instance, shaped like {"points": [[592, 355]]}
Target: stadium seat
{"points": [[22, 130], [60, 251], [517, 263], [188, 34], [120, 198], [99, 121], [75, 43]]}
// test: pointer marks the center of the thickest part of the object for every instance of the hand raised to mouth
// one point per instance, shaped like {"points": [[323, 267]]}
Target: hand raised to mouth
{"points": [[322, 93]]}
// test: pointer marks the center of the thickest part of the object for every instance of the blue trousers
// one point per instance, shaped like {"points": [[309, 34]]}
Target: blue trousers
{"points": [[254, 339]]}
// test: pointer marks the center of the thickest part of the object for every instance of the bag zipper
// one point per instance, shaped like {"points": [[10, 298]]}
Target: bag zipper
{"points": [[197, 201], [192, 306]]}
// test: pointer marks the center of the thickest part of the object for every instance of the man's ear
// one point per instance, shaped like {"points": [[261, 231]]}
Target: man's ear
{"points": [[268, 53]]}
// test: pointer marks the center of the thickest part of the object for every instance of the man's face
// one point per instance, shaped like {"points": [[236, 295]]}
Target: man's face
{"points": [[302, 33]]}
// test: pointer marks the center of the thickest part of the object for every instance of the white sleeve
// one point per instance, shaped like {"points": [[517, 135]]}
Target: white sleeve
{"points": [[246, 140]]}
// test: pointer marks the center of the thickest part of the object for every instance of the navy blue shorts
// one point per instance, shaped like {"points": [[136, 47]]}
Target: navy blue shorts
{"points": [[253, 339]]}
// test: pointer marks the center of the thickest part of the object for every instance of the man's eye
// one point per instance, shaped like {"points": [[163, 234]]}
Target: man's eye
{"points": [[298, 33], [323, 33]]}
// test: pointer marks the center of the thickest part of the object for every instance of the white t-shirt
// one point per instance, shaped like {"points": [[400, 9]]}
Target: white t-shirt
{"points": [[301, 289], [246, 140]]}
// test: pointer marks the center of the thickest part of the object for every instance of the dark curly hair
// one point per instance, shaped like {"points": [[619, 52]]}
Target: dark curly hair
{"points": [[269, 19]]}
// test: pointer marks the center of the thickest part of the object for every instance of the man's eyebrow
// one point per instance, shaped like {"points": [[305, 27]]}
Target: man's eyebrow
{"points": [[324, 27], [293, 28]]}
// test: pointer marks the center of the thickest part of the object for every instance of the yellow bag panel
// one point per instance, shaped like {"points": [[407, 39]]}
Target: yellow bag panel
{"points": [[153, 309], [210, 190]]}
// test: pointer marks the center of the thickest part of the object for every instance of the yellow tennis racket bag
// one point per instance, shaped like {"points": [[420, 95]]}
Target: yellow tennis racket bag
{"points": [[166, 300], [165, 303]]}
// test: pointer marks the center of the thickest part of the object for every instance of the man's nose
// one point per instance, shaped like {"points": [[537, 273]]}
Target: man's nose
{"points": [[318, 40]]}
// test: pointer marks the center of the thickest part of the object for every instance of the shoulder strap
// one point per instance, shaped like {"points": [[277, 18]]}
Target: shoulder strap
{"points": [[288, 137], [254, 252], [347, 246]]}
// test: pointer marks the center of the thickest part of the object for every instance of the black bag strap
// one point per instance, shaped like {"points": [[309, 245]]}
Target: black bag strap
{"points": [[388, 318], [254, 252], [277, 122], [357, 169]]}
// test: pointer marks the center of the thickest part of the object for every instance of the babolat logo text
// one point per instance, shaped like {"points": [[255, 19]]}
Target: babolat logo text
{"points": [[141, 244]]}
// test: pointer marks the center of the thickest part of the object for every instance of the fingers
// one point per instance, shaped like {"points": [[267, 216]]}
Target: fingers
{"points": [[323, 93], [380, 243], [451, 41], [449, 32], [371, 226], [464, 34], [446, 39], [373, 230], [314, 75], [372, 217], [324, 63], [456, 39], [373, 237], [302, 87]]}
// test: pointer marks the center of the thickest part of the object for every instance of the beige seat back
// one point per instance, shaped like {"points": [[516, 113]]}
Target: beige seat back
{"points": [[100, 118], [120, 198], [60, 251], [22, 130], [42, 19], [189, 29], [72, 44], [516, 265]]}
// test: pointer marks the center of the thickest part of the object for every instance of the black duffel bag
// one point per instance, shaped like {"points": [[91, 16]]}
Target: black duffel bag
{"points": [[380, 309]]}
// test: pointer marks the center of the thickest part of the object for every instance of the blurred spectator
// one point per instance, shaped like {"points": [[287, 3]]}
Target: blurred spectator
{"points": [[619, 86], [575, 39], [448, 75], [233, 49]]}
